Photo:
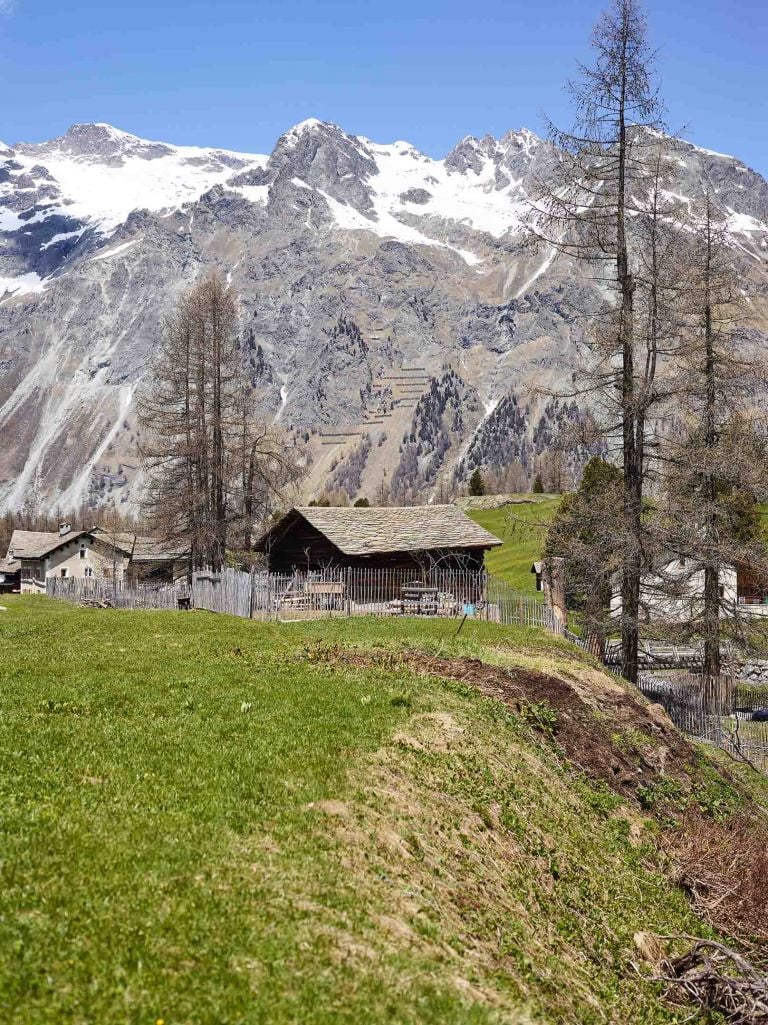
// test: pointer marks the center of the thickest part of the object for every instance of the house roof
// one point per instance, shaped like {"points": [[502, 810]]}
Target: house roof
{"points": [[140, 547], [365, 531], [8, 566], [36, 544], [153, 549]]}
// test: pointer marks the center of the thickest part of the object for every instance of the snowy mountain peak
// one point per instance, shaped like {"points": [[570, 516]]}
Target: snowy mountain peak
{"points": [[94, 176], [310, 126], [474, 154], [355, 260], [100, 142], [523, 139]]}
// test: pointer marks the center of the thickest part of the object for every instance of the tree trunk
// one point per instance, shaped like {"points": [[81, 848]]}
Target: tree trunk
{"points": [[712, 563], [633, 471]]}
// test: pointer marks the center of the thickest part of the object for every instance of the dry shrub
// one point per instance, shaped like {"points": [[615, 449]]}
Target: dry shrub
{"points": [[723, 866]]}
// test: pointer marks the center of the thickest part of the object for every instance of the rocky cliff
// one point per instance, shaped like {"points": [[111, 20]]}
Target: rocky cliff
{"points": [[392, 320]]}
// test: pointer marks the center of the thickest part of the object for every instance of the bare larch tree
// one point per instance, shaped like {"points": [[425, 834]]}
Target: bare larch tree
{"points": [[588, 211], [213, 466], [716, 461]]}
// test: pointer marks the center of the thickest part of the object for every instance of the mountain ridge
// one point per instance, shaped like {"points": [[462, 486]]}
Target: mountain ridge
{"points": [[100, 231]]}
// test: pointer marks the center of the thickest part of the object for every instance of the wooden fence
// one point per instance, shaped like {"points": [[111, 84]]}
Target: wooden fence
{"points": [[349, 592], [363, 592], [117, 593]]}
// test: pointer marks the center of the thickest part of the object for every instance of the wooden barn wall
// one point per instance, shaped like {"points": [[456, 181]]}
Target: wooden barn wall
{"points": [[289, 551]]}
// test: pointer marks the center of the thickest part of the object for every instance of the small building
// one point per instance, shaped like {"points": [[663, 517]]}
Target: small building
{"points": [[84, 554], [313, 538], [673, 592], [150, 559]]}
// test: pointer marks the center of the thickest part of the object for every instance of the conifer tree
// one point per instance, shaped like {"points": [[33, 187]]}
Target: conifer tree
{"points": [[717, 460], [212, 466], [476, 483]]}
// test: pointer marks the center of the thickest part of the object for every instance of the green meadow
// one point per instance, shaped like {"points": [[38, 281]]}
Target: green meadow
{"points": [[522, 526], [208, 820]]}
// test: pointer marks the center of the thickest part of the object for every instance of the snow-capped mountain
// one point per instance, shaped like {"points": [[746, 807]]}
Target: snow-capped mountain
{"points": [[367, 273]]}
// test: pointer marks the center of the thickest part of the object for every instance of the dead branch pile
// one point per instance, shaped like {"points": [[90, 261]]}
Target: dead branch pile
{"points": [[716, 978]]}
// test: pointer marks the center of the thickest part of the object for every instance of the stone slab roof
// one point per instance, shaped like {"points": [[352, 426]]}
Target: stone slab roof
{"points": [[360, 531], [141, 548], [36, 544]]}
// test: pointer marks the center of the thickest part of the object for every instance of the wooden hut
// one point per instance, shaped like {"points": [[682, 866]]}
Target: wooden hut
{"points": [[311, 538]]}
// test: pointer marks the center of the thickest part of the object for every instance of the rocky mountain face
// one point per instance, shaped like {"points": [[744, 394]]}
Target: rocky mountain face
{"points": [[393, 323]]}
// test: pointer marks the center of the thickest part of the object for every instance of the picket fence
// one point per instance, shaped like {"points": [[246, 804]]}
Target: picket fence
{"points": [[724, 712], [364, 592], [117, 593]]}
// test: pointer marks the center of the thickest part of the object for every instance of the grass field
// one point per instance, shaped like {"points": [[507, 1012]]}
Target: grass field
{"points": [[206, 821], [522, 527]]}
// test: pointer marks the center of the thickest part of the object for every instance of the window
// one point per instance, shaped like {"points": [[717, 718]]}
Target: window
{"points": [[82, 551], [63, 571], [89, 571]]}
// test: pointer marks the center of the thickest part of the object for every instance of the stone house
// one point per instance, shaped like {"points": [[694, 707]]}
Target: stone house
{"points": [[83, 554]]}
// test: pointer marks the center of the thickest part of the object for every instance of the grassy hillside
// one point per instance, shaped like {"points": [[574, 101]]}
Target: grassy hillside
{"points": [[206, 820], [522, 528]]}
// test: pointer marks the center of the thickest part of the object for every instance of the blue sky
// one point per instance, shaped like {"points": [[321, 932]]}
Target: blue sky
{"points": [[236, 74]]}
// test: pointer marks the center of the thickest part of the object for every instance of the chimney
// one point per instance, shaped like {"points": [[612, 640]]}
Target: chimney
{"points": [[64, 528]]}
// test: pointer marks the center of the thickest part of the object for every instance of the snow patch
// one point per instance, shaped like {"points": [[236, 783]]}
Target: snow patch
{"points": [[24, 284], [543, 266], [283, 400], [9, 221], [107, 254], [474, 200], [62, 236], [744, 222], [387, 226], [254, 193]]}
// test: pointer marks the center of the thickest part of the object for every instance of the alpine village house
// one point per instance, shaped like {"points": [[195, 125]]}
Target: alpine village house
{"points": [[34, 556]]}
